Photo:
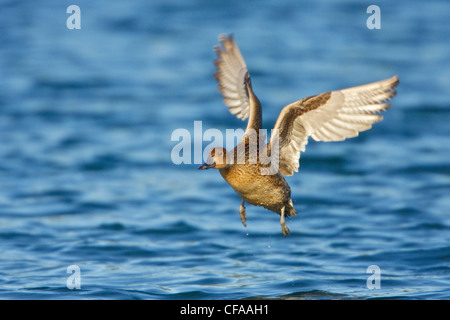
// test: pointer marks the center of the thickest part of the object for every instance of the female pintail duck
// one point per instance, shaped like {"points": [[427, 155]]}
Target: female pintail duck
{"points": [[330, 116]]}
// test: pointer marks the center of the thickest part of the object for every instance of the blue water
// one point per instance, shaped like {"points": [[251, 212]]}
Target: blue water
{"points": [[86, 176]]}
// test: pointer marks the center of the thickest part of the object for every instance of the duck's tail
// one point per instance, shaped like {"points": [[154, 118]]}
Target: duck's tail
{"points": [[289, 209]]}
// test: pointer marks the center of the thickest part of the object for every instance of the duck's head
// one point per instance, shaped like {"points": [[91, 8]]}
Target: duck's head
{"points": [[216, 159]]}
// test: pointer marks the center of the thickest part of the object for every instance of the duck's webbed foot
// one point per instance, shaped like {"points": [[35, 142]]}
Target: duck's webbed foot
{"points": [[242, 213], [284, 227]]}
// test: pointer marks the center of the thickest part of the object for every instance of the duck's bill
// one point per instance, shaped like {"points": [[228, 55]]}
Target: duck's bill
{"points": [[207, 166]]}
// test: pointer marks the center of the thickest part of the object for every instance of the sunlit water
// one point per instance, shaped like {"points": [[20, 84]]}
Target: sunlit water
{"points": [[86, 175]]}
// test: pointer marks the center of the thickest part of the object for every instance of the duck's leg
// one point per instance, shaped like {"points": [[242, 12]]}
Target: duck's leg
{"points": [[284, 227], [242, 213]]}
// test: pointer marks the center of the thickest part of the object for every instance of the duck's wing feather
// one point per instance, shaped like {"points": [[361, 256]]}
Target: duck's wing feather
{"points": [[234, 82], [330, 116]]}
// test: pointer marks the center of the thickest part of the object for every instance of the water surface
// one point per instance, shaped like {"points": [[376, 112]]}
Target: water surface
{"points": [[85, 153]]}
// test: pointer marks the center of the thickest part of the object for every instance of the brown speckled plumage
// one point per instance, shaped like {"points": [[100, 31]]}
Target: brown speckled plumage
{"points": [[330, 116], [269, 191]]}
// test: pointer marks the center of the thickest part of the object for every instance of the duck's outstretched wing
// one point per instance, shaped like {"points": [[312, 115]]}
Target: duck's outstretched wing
{"points": [[234, 82], [331, 116]]}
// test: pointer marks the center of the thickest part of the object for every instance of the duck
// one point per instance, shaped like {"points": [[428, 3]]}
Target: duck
{"points": [[256, 167]]}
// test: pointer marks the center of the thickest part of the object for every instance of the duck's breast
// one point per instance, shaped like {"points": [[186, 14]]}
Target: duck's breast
{"points": [[260, 190]]}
